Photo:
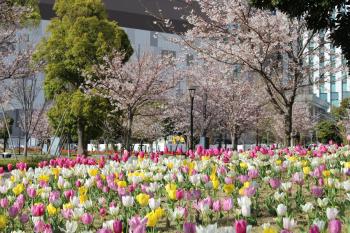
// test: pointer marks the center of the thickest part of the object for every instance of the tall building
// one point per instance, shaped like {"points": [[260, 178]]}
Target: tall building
{"points": [[332, 86]]}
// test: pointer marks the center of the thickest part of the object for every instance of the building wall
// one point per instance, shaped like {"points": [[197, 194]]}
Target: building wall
{"points": [[333, 86]]}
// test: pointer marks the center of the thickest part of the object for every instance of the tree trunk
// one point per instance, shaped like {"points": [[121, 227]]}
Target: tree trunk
{"points": [[288, 126], [129, 130], [25, 152], [234, 139], [5, 142], [81, 144]]}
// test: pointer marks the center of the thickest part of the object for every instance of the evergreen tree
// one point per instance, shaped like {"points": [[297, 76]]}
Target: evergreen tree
{"points": [[80, 37]]}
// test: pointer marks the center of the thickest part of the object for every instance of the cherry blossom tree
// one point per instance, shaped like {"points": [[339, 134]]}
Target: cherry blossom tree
{"points": [[13, 59], [138, 87], [43, 130], [225, 100], [266, 43]]}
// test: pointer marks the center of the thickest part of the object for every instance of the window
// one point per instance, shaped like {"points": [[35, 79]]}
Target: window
{"points": [[153, 39], [168, 53], [323, 96], [346, 94], [333, 87], [334, 95], [335, 103], [189, 59]]}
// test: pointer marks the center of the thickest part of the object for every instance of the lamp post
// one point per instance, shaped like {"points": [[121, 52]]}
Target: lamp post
{"points": [[192, 91]]}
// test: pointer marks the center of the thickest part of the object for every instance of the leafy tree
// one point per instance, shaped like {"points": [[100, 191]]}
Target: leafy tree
{"points": [[78, 38], [341, 113], [328, 130], [332, 15]]}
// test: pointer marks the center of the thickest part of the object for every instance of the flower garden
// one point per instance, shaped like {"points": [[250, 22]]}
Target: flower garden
{"points": [[262, 190]]}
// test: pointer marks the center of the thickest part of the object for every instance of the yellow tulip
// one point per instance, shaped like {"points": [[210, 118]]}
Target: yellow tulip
{"points": [[43, 177], [243, 165], [215, 183], [51, 210], [159, 212], [228, 188], [326, 173], [152, 219], [347, 165], [306, 170], [93, 172], [269, 230], [122, 184], [142, 199], [3, 221], [18, 189]]}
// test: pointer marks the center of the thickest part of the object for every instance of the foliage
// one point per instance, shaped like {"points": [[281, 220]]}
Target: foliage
{"points": [[78, 38], [92, 111], [328, 130], [32, 161], [332, 15]]}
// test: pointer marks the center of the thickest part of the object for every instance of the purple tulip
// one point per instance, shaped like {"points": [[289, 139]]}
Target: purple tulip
{"points": [[117, 226], [189, 227], [317, 191], [24, 218], [334, 226], [13, 211], [314, 229]]}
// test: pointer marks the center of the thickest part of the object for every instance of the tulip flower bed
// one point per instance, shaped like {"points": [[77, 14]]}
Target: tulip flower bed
{"points": [[263, 190]]}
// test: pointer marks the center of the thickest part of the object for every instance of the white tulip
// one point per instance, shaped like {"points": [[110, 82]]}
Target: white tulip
{"points": [[332, 213], [281, 210], [113, 211], [289, 223], [154, 203], [128, 201], [321, 224], [346, 185], [307, 207]]}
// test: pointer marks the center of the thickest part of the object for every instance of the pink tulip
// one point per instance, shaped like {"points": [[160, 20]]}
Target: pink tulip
{"points": [[334, 226], [31, 192], [38, 210], [179, 194], [241, 226], [216, 206], [227, 204], [87, 219], [9, 167], [4, 202], [137, 225], [1, 170], [275, 183]]}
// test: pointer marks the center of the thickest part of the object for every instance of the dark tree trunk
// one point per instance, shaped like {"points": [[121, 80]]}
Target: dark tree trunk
{"points": [[25, 152], [81, 139], [5, 142], [129, 130], [288, 125], [234, 139]]}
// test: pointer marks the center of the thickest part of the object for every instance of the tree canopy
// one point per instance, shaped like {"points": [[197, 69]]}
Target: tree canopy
{"points": [[80, 37], [332, 15]]}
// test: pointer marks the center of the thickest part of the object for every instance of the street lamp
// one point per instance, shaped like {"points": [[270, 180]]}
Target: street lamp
{"points": [[192, 90]]}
